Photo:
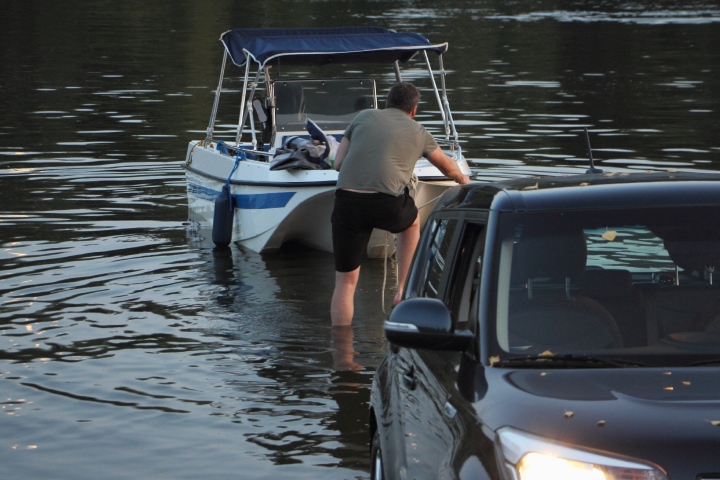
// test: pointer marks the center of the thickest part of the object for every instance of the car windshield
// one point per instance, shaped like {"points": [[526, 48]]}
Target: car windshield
{"points": [[633, 284]]}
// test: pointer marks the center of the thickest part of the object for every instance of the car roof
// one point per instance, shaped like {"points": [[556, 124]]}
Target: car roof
{"points": [[588, 191]]}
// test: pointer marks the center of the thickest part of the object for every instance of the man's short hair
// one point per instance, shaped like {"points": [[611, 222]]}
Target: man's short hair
{"points": [[404, 96]]}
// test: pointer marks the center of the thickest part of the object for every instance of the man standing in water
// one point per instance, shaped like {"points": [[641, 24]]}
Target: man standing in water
{"points": [[376, 158]]}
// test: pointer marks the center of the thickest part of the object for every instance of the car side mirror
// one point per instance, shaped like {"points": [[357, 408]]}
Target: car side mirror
{"points": [[425, 323]]}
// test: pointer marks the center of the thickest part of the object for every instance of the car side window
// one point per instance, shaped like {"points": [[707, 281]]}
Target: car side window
{"points": [[451, 264], [466, 284], [436, 260]]}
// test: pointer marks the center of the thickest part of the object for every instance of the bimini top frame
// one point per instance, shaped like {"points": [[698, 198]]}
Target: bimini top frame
{"points": [[321, 46]]}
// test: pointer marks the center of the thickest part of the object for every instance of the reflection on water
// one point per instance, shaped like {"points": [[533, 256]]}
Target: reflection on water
{"points": [[226, 338], [344, 349], [699, 13], [129, 347]]}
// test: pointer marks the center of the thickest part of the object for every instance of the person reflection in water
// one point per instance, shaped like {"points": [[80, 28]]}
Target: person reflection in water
{"points": [[342, 348], [376, 159]]}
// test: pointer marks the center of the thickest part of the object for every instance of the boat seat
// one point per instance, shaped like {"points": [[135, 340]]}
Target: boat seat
{"points": [[549, 317]]}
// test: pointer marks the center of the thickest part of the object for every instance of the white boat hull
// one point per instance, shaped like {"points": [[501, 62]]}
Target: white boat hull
{"points": [[276, 207]]}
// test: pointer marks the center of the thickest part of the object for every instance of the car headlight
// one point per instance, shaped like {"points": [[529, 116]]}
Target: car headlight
{"points": [[528, 457]]}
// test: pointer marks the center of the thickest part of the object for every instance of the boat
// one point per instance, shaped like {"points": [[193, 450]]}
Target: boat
{"points": [[258, 183]]}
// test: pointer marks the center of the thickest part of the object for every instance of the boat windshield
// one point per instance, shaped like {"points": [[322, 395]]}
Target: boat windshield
{"points": [[331, 104], [632, 284]]}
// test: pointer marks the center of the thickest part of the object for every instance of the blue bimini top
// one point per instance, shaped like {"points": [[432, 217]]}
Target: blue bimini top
{"points": [[321, 46]]}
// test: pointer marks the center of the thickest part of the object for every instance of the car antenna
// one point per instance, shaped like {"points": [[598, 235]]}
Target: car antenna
{"points": [[592, 168]]}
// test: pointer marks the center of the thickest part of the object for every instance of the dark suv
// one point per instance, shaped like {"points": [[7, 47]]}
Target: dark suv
{"points": [[558, 328]]}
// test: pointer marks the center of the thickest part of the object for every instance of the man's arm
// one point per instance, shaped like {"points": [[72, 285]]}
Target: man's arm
{"points": [[341, 152], [446, 165]]}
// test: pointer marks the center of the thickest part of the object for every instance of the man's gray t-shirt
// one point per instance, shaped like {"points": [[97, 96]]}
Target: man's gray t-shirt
{"points": [[384, 147]]}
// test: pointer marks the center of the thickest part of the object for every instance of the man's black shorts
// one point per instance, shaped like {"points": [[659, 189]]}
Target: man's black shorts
{"points": [[356, 214]]}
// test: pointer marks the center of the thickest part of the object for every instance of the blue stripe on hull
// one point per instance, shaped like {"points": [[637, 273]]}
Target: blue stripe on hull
{"points": [[261, 201], [257, 201]]}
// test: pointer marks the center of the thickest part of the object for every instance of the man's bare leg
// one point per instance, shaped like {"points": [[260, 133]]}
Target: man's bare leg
{"points": [[342, 306], [406, 245]]}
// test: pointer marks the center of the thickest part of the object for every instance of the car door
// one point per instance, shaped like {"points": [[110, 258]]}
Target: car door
{"points": [[428, 400]]}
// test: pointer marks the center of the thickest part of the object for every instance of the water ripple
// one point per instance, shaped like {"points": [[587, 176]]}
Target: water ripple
{"points": [[639, 16]]}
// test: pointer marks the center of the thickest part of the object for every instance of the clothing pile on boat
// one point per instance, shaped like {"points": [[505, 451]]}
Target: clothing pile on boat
{"points": [[299, 152]]}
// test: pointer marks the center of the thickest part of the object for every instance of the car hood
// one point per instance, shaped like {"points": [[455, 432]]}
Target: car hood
{"points": [[653, 385], [667, 416]]}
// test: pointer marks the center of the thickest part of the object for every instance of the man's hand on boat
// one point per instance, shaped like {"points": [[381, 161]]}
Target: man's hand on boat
{"points": [[448, 166]]}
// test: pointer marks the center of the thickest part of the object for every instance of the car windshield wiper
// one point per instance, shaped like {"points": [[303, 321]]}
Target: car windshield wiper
{"points": [[704, 363], [565, 361]]}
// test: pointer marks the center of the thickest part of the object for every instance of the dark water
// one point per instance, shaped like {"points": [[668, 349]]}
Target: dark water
{"points": [[130, 349]]}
